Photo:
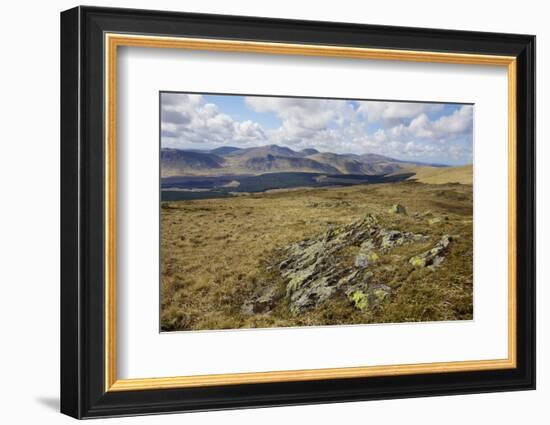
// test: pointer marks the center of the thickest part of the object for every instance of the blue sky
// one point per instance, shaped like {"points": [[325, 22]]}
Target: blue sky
{"points": [[236, 108], [426, 132]]}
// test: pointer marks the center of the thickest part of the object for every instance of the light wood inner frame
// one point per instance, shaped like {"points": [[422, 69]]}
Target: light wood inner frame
{"points": [[113, 41]]}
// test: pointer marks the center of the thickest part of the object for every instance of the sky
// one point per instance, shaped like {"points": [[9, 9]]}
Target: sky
{"points": [[416, 131]]}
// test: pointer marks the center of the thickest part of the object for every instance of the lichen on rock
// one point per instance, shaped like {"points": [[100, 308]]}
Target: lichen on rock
{"points": [[319, 268], [359, 299], [390, 239], [433, 257], [366, 254], [369, 297], [397, 209], [262, 302], [313, 274]]}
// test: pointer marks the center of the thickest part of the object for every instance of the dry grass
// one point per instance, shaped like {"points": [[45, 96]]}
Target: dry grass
{"points": [[216, 252], [433, 175]]}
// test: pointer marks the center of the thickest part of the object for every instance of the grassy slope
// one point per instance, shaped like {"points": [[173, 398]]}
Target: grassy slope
{"points": [[433, 175], [215, 252]]}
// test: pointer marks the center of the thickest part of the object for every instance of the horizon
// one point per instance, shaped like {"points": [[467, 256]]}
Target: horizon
{"points": [[432, 133], [198, 150]]}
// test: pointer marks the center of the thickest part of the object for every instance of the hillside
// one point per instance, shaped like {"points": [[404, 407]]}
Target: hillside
{"points": [[433, 175], [262, 151], [271, 163], [371, 265], [224, 150], [273, 158], [345, 163], [176, 162]]}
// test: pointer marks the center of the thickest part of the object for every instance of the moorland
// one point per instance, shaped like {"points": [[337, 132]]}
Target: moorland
{"points": [[273, 242]]}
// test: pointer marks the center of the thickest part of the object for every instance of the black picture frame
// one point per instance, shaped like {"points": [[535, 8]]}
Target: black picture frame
{"points": [[83, 392]]}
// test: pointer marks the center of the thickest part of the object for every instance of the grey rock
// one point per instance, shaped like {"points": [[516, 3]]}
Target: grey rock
{"points": [[433, 257], [366, 254], [393, 238], [312, 270], [312, 274], [367, 298], [261, 303], [397, 209]]}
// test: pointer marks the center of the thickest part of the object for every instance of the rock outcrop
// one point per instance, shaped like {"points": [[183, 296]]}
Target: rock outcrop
{"points": [[313, 271], [390, 239], [433, 257], [370, 297], [397, 209], [262, 302]]}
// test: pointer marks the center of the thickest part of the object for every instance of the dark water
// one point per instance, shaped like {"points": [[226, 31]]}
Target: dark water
{"points": [[212, 187]]}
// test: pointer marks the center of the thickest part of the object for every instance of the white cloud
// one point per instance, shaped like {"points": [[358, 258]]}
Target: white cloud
{"points": [[446, 127], [297, 113], [320, 123], [405, 130], [187, 119], [446, 138], [457, 123], [392, 113]]}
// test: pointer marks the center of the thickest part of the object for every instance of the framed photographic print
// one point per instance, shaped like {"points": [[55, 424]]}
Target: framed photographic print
{"points": [[261, 212]]}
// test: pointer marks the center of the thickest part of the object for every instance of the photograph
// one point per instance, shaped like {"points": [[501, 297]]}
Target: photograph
{"points": [[283, 211]]}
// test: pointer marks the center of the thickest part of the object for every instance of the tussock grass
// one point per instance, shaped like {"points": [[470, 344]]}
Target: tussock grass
{"points": [[432, 175], [215, 253]]}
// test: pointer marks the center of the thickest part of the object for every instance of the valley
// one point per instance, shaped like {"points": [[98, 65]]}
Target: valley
{"points": [[291, 211], [204, 187], [230, 171]]}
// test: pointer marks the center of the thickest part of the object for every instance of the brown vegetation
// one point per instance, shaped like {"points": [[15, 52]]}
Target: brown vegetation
{"points": [[435, 175], [216, 253]]}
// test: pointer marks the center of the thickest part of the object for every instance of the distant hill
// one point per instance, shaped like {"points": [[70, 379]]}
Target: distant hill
{"points": [[228, 160], [224, 150], [343, 163], [178, 162], [373, 157], [271, 163], [433, 175], [309, 151], [262, 151]]}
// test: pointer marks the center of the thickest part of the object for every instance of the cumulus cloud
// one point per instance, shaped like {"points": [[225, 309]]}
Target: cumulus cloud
{"points": [[310, 114], [416, 131], [325, 124], [392, 113], [189, 120], [447, 127], [448, 137]]}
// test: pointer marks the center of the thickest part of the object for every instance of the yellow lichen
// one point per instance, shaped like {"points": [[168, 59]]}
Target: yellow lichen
{"points": [[359, 299]]}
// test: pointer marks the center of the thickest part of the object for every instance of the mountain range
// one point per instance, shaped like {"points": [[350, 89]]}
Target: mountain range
{"points": [[229, 160]]}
